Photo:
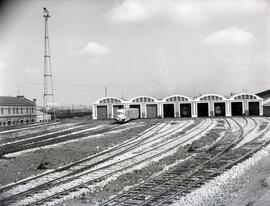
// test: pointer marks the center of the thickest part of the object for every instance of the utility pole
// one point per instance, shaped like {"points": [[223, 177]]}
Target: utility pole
{"points": [[106, 92], [48, 81]]}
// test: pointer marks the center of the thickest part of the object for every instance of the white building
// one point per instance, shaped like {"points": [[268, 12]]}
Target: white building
{"points": [[17, 111], [178, 106], [43, 117]]}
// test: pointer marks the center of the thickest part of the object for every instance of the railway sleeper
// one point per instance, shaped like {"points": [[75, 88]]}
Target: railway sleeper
{"points": [[197, 185], [169, 176], [39, 203], [216, 165], [211, 153], [208, 171], [124, 197], [168, 202], [223, 170], [250, 147], [154, 191], [175, 172], [162, 187], [179, 187], [224, 160], [158, 181], [143, 197], [168, 184], [141, 189], [195, 178], [201, 159], [241, 151], [255, 144], [133, 202], [75, 189]]}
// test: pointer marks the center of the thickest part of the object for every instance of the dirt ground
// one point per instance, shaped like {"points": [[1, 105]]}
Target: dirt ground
{"points": [[251, 190], [139, 176], [24, 165]]}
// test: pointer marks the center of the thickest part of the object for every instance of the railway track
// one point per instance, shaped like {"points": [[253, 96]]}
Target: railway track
{"points": [[91, 157], [51, 138], [17, 136], [12, 198], [69, 166], [39, 135], [111, 169], [168, 187], [25, 127]]}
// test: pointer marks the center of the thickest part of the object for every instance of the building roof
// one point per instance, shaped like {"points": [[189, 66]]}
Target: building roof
{"points": [[267, 104], [208, 97], [245, 95], [265, 94], [16, 101]]}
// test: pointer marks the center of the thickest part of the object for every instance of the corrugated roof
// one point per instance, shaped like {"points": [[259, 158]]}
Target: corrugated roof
{"points": [[15, 101], [265, 94]]}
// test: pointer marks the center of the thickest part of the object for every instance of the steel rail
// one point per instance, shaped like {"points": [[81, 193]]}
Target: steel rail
{"points": [[83, 184], [68, 166]]}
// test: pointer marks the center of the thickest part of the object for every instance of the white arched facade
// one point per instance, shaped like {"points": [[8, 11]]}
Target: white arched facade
{"points": [[246, 100], [105, 107], [212, 100], [177, 102], [144, 103], [150, 107]]}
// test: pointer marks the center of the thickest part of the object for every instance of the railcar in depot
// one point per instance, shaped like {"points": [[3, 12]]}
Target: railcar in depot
{"points": [[125, 115]]}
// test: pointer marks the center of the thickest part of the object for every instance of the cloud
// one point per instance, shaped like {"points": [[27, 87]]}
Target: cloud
{"points": [[92, 49], [130, 11], [183, 11], [231, 36], [138, 10], [3, 65]]}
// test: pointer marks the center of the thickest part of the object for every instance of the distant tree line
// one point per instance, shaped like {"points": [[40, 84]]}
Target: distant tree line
{"points": [[69, 113]]}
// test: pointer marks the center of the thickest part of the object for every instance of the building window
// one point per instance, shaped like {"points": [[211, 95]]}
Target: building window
{"points": [[32, 109], [9, 110], [17, 110], [21, 110], [26, 109], [13, 110], [2, 110]]}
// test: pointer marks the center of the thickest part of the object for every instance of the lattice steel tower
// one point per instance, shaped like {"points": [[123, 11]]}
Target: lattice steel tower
{"points": [[48, 80]]}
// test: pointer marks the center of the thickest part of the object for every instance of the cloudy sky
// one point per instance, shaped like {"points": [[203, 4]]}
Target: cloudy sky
{"points": [[135, 47]]}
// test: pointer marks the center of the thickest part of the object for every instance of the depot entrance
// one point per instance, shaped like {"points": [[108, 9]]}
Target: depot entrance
{"points": [[151, 111], [237, 108], [254, 108], [115, 108], [219, 109], [136, 106], [202, 109], [168, 110], [101, 112], [185, 110]]}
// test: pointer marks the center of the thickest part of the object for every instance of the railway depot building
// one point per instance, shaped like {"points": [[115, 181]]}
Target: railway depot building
{"points": [[17, 111], [180, 106], [265, 95]]}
